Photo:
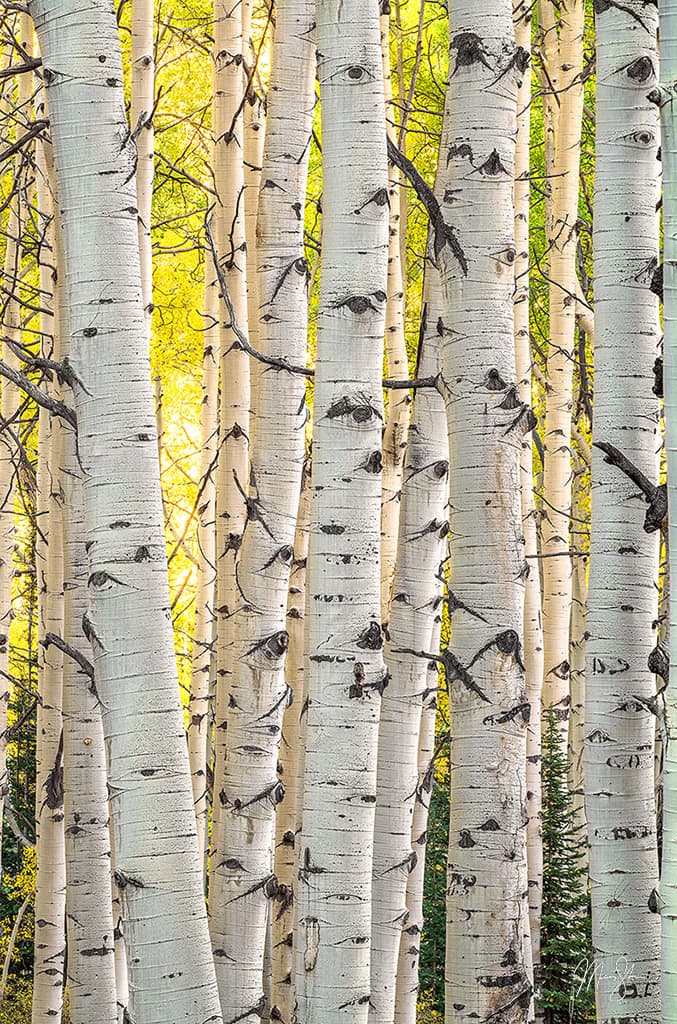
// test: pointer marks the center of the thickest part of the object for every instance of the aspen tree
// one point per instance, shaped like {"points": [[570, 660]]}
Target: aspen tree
{"points": [[129, 625], [414, 608], [201, 686], [488, 963], [232, 477], [8, 411], [395, 433], [142, 110], [533, 628], [667, 902], [622, 597], [50, 883], [565, 66], [346, 671], [89, 911], [406, 996], [256, 688], [254, 131], [288, 811]]}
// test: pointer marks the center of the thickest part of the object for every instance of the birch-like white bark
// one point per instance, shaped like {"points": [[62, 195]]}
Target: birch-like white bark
{"points": [[414, 608], [406, 997], [129, 626], [256, 690], [142, 110], [89, 909], [233, 468], [397, 416], [346, 671], [202, 685], [50, 888], [622, 596], [288, 811], [533, 629], [488, 962], [565, 61]]}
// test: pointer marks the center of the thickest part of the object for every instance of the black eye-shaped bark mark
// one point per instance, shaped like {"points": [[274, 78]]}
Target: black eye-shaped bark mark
{"points": [[358, 407], [507, 642], [469, 50], [101, 580], [523, 709], [284, 555], [493, 165], [360, 688], [360, 304], [89, 630], [272, 647], [462, 150], [309, 868], [466, 841], [456, 672], [299, 266], [493, 381], [641, 70], [371, 639], [656, 284], [511, 400], [658, 662], [374, 463], [454, 604], [379, 198], [521, 59], [274, 794], [640, 138]]}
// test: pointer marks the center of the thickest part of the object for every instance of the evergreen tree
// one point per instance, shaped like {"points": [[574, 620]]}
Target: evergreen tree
{"points": [[567, 977]]}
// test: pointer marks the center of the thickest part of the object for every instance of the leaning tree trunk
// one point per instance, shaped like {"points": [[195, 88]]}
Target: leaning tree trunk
{"points": [[562, 239], [156, 857], [487, 957], [256, 690], [346, 672]]}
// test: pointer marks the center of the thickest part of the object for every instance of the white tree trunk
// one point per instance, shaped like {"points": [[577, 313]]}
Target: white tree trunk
{"points": [[142, 109], [622, 596], [89, 910], [406, 997], [233, 468], [566, 63], [256, 692], [157, 862], [202, 684], [413, 611], [288, 812], [488, 962], [397, 416], [346, 671], [533, 629]]}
